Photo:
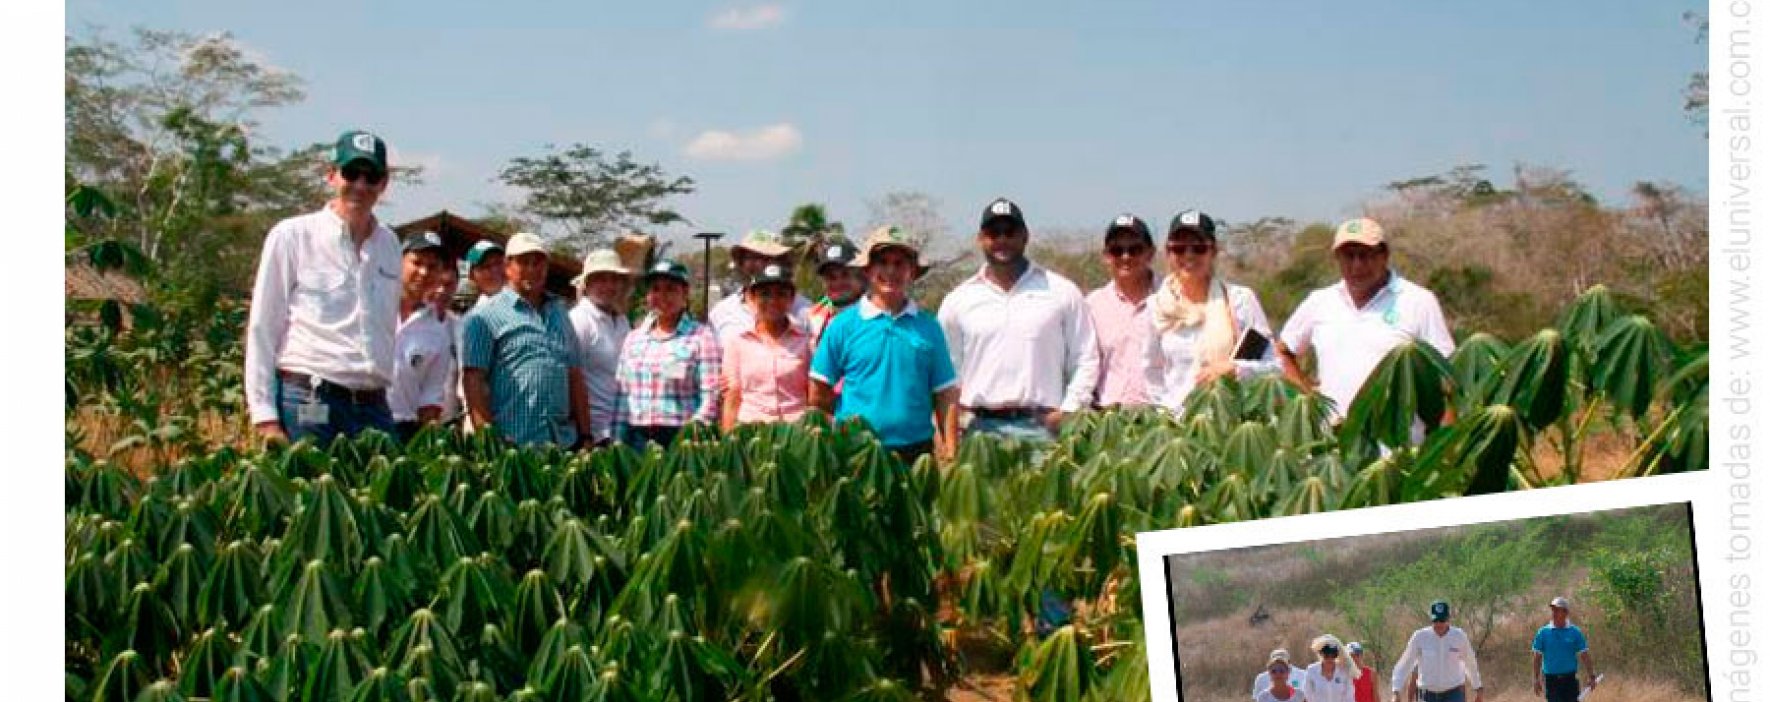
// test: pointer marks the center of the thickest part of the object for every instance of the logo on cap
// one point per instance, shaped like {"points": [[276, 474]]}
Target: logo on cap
{"points": [[1002, 207], [834, 254], [1354, 226], [432, 238], [363, 142], [772, 271], [1122, 221], [1189, 217]]}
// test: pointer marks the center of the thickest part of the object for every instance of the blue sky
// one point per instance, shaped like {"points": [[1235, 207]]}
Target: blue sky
{"points": [[1076, 110]]}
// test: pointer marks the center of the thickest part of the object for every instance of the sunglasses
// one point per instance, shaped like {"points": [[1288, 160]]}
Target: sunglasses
{"points": [[1278, 670], [774, 291], [1330, 652], [1194, 249], [1001, 230], [368, 174], [1121, 251]]}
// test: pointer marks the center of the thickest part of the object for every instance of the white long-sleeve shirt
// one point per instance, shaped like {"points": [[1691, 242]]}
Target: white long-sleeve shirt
{"points": [[1032, 345], [321, 306], [1168, 356], [1444, 661], [1320, 688]]}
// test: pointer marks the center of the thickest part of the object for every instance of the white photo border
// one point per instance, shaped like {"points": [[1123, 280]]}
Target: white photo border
{"points": [[1153, 547]]}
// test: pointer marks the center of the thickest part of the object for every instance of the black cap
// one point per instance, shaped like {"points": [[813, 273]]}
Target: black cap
{"points": [[1129, 223], [1193, 221], [1002, 208], [773, 274], [426, 241], [666, 268], [1440, 611], [837, 253]]}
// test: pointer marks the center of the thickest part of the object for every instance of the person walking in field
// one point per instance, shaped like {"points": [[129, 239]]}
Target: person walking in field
{"points": [[423, 345], [1280, 685], [1198, 319], [520, 361], [1352, 324], [1364, 684], [890, 358], [600, 322], [325, 305], [1020, 335], [669, 374], [1444, 657], [1292, 675], [767, 368], [1118, 311], [1558, 652], [1329, 678]]}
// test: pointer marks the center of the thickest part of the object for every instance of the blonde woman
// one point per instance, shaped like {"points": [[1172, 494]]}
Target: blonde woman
{"points": [[1329, 678], [1199, 319]]}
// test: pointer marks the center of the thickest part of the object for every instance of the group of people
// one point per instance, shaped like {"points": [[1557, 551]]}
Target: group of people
{"points": [[1437, 664], [350, 329]]}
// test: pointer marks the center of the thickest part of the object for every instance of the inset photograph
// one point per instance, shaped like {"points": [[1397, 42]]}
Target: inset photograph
{"points": [[1598, 606]]}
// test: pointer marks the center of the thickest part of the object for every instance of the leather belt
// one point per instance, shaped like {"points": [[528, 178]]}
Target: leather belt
{"points": [[330, 389], [1009, 412]]}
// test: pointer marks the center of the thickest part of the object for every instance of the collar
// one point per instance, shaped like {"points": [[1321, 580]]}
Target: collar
{"points": [[1391, 287], [1032, 268], [755, 333], [344, 227], [1120, 292], [509, 297], [685, 325], [868, 310]]}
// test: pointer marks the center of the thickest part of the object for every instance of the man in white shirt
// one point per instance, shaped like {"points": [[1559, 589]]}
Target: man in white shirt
{"points": [[732, 314], [1351, 325], [1020, 335], [601, 324], [1445, 658], [424, 346], [319, 336]]}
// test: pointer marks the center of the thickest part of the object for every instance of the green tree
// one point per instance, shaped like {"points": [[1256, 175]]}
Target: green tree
{"points": [[592, 197]]}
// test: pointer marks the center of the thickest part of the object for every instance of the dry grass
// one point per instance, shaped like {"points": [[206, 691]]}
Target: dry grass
{"points": [[98, 430]]}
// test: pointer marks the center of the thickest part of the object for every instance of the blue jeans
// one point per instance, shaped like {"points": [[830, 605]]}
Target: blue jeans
{"points": [[1453, 695], [342, 415], [636, 438]]}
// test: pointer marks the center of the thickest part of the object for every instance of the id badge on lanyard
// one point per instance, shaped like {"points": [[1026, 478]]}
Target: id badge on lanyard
{"points": [[313, 411]]}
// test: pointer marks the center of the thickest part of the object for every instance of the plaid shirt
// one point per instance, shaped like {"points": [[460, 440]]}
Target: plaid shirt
{"points": [[671, 381], [529, 356]]}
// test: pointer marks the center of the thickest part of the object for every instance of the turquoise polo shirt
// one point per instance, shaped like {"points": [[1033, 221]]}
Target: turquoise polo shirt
{"points": [[1560, 648], [890, 367]]}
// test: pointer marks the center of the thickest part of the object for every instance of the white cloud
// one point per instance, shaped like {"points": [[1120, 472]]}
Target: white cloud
{"points": [[750, 18], [763, 144]]}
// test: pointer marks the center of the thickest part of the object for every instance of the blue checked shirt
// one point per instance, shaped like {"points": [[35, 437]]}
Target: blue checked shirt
{"points": [[529, 356]]}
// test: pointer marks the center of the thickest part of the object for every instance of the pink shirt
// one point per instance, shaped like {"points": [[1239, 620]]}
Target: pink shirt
{"points": [[771, 381], [1124, 334]]}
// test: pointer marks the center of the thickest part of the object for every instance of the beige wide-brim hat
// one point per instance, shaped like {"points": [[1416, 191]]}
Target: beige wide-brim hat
{"points": [[601, 261], [887, 237], [1363, 230], [523, 242], [764, 243]]}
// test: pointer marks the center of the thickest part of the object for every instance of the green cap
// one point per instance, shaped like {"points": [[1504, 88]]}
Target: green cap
{"points": [[359, 145], [667, 268]]}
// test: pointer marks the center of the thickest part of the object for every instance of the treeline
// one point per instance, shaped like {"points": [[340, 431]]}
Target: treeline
{"points": [[166, 177]]}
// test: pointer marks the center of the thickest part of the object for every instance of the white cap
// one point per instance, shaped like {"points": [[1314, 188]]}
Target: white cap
{"points": [[601, 261], [1560, 602], [523, 242]]}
